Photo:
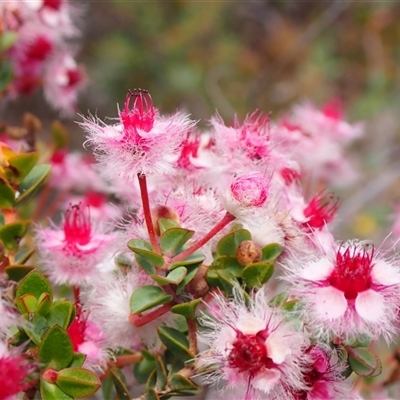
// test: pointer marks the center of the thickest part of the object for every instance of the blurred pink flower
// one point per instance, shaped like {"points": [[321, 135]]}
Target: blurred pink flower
{"points": [[69, 255]]}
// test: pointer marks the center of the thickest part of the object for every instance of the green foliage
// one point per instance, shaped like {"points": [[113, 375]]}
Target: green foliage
{"points": [[173, 239], [78, 382], [55, 350], [32, 182], [176, 342], [148, 297], [364, 362]]}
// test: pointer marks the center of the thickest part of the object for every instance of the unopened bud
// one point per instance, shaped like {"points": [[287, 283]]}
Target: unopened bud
{"points": [[248, 252], [250, 189], [198, 286], [50, 375], [163, 212]]}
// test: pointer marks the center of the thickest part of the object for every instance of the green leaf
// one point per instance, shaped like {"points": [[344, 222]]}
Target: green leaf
{"points": [[147, 266], [78, 360], [107, 388], [32, 182], [147, 297], [175, 277], [27, 303], [37, 328], [11, 234], [161, 373], [228, 244], [78, 382], [62, 313], [229, 263], [191, 272], [176, 342], [151, 394], [166, 223], [143, 369], [363, 361], [178, 382], [7, 39], [271, 252], [188, 310], [22, 164], [227, 281], [255, 275], [279, 300], [7, 195], [44, 303], [120, 384], [17, 272], [56, 350], [24, 255], [6, 74], [34, 283], [50, 391], [173, 239], [195, 258], [145, 251]]}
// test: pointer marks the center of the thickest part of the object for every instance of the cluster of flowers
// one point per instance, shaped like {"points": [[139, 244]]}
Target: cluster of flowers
{"points": [[37, 36], [251, 173]]}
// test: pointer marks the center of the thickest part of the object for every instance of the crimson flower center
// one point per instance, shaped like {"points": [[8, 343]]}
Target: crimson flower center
{"points": [[352, 273], [77, 227], [249, 354], [140, 116]]}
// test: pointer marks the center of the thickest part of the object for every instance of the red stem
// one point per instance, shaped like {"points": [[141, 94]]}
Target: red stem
{"points": [[228, 217], [147, 213], [138, 320]]}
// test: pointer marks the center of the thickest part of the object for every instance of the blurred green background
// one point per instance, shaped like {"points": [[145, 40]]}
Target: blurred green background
{"points": [[235, 56]]}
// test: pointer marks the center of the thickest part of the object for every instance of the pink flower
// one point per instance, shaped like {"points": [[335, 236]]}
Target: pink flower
{"points": [[351, 290], [75, 171], [253, 349], [63, 79], [142, 142], [319, 211], [323, 376], [14, 373], [69, 255], [88, 339]]}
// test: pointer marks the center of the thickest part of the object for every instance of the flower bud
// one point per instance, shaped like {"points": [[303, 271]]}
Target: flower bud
{"points": [[198, 286], [248, 252], [163, 212], [250, 189]]}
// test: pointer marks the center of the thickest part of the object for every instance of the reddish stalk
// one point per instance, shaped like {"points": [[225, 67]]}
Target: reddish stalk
{"points": [[228, 217], [76, 294], [138, 320], [192, 331], [147, 212]]}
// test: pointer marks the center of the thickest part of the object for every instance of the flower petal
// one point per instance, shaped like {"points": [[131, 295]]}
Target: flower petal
{"points": [[385, 273], [277, 348], [318, 270], [370, 305], [266, 380], [330, 303]]}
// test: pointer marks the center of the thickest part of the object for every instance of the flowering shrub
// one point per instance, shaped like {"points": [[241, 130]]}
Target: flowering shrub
{"points": [[202, 259]]}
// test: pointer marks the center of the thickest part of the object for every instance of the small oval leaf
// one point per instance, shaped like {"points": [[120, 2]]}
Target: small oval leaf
{"points": [[147, 297], [56, 350], [78, 382]]}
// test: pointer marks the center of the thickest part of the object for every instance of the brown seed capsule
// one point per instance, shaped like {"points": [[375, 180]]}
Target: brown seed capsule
{"points": [[198, 286], [248, 252], [163, 212]]}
